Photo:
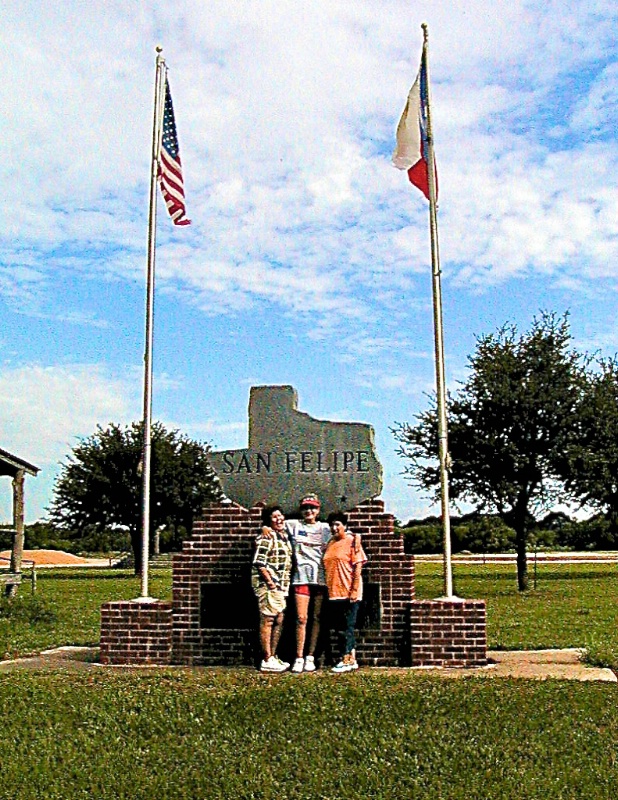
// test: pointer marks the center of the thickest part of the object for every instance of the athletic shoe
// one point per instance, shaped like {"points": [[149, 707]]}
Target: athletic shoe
{"points": [[347, 664], [284, 664], [298, 665], [309, 664], [273, 664]]}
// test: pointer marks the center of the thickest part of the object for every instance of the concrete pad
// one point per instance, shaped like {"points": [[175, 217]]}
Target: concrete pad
{"points": [[541, 664], [563, 664], [68, 657], [528, 664]]}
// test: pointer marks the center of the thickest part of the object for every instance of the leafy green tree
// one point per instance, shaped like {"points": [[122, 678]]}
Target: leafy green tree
{"points": [[510, 425], [588, 534], [485, 533], [593, 455], [100, 486]]}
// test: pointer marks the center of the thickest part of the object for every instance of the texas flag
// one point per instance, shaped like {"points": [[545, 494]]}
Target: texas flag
{"points": [[412, 150]]}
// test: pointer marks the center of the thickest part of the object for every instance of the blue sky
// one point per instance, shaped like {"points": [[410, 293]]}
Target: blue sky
{"points": [[307, 262]]}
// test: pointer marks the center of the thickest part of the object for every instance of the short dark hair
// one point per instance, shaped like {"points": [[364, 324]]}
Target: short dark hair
{"points": [[267, 514], [338, 516]]}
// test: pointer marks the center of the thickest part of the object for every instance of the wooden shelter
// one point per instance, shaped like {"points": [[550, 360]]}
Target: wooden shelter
{"points": [[17, 469]]}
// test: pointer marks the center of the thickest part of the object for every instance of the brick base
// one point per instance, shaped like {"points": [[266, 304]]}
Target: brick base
{"points": [[136, 632], [220, 550], [447, 633]]}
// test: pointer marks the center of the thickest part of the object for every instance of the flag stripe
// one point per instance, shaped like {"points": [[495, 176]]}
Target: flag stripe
{"points": [[170, 167]]}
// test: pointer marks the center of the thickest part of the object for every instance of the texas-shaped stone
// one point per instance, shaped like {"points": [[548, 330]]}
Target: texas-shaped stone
{"points": [[291, 454]]}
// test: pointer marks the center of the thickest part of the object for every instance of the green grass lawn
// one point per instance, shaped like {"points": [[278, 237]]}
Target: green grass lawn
{"points": [[66, 608], [572, 606], [238, 734], [191, 734]]}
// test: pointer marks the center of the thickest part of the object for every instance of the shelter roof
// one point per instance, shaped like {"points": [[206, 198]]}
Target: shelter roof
{"points": [[10, 464]]}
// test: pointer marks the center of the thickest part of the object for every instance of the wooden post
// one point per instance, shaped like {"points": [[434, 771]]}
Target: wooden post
{"points": [[17, 551]]}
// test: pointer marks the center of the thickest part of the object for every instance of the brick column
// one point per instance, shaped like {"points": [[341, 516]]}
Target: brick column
{"points": [[448, 633], [136, 632]]}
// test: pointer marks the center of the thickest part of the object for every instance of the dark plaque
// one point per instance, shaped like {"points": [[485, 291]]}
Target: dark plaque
{"points": [[370, 611], [227, 605]]}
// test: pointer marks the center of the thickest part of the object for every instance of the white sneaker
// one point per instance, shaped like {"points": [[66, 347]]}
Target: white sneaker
{"points": [[284, 664], [298, 665], [273, 664], [309, 664], [347, 664]]}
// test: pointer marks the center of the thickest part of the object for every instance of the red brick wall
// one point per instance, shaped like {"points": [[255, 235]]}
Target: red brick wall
{"points": [[136, 632], [393, 570], [220, 551], [446, 633]]}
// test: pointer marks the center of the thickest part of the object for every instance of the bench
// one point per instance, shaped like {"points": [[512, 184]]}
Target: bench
{"points": [[8, 578]]}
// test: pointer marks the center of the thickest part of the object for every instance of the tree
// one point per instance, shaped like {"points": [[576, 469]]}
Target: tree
{"points": [[100, 486], [510, 425], [593, 455]]}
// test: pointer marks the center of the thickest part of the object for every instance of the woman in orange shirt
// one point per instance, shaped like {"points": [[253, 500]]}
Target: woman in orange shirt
{"points": [[343, 562]]}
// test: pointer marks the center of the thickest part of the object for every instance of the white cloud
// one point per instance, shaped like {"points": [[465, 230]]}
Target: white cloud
{"points": [[43, 410], [597, 112], [278, 109]]}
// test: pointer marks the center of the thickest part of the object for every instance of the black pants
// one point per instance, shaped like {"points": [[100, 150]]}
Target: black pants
{"points": [[343, 616]]}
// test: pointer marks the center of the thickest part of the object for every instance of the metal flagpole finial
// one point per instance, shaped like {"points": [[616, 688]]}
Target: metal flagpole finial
{"points": [[425, 28], [159, 49]]}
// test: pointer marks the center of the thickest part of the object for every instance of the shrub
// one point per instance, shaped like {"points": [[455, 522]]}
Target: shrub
{"points": [[31, 609], [422, 539], [475, 533]]}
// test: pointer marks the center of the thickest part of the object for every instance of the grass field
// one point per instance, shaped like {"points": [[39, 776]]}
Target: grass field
{"points": [[66, 608], [572, 606], [239, 734], [194, 734]]}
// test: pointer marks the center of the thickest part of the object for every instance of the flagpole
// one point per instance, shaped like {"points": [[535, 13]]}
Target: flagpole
{"points": [[157, 126], [439, 340]]}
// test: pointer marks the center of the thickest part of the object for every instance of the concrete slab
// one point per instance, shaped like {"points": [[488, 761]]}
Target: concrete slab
{"points": [[68, 657], [528, 664], [563, 664]]}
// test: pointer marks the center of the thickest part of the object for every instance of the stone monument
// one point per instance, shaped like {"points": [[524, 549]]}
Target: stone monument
{"points": [[291, 454], [213, 618]]}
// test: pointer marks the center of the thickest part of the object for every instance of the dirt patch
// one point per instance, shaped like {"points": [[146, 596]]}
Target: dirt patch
{"points": [[55, 558]]}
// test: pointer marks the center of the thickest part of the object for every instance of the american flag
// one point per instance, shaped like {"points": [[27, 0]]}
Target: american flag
{"points": [[170, 168]]}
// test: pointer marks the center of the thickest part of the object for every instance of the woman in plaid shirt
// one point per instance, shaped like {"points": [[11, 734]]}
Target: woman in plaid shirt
{"points": [[270, 579]]}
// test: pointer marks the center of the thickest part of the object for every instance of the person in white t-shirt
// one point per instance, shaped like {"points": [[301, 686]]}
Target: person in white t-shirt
{"points": [[309, 538]]}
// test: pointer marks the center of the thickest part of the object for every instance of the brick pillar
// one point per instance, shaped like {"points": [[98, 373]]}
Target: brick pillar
{"points": [[448, 633], [136, 632]]}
